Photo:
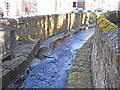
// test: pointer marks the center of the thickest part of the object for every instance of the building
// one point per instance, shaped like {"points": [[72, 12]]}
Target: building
{"points": [[81, 4], [13, 8], [41, 7], [119, 5]]}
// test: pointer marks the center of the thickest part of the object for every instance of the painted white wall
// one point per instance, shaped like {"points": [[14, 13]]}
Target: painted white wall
{"points": [[106, 5], [63, 6], [48, 6], [2, 5], [45, 6], [13, 8], [66, 6], [19, 7]]}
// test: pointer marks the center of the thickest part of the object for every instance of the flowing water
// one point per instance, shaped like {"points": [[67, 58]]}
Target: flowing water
{"points": [[51, 72]]}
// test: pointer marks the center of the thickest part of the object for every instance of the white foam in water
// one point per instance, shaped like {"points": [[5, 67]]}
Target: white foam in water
{"points": [[35, 62], [77, 45]]}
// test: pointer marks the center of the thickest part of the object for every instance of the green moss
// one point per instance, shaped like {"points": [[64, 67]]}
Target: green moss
{"points": [[79, 79], [74, 69], [77, 69], [118, 60], [73, 75], [79, 75]]}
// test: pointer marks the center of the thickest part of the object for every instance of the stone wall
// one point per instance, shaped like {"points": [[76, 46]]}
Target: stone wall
{"points": [[97, 63], [31, 32], [104, 58], [47, 25]]}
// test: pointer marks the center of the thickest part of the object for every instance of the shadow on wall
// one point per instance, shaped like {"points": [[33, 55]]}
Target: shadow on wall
{"points": [[113, 16]]}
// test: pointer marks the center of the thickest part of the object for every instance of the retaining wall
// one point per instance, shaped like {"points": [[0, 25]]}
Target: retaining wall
{"points": [[104, 59], [31, 32], [46, 26]]}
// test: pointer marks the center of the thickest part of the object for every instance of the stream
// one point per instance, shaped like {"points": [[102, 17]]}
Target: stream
{"points": [[52, 71]]}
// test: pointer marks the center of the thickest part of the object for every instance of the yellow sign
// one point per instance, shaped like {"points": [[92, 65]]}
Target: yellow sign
{"points": [[104, 24]]}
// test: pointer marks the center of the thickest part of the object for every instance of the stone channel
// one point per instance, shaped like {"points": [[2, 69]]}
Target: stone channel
{"points": [[52, 71]]}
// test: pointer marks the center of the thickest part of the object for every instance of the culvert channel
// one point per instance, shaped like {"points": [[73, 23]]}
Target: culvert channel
{"points": [[50, 69]]}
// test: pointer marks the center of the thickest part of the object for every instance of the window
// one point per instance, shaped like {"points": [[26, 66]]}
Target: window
{"points": [[31, 4], [74, 4]]}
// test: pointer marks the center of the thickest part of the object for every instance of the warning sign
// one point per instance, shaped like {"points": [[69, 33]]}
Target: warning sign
{"points": [[104, 24]]}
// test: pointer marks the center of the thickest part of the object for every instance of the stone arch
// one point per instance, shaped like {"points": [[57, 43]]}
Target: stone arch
{"points": [[31, 4]]}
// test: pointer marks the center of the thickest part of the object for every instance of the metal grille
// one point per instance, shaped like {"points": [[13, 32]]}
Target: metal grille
{"points": [[7, 42]]}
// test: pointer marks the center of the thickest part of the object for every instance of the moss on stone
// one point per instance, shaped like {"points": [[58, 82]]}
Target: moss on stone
{"points": [[79, 79], [118, 59], [79, 75], [73, 75]]}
